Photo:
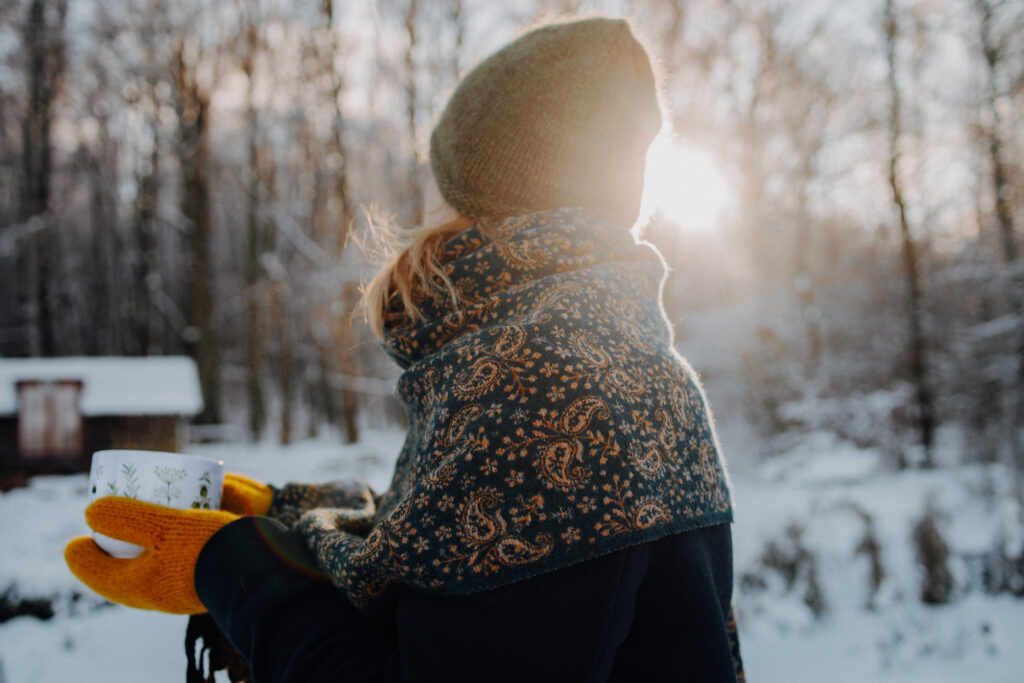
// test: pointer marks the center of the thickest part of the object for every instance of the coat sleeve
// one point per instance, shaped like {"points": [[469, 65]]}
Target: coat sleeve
{"points": [[290, 501], [280, 612]]}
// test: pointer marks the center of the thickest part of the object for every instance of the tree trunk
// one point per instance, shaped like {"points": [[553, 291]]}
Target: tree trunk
{"points": [[339, 209], [803, 282], [147, 275], [411, 106], [256, 246], [286, 380], [911, 270], [345, 343], [1001, 186], [43, 44], [458, 20], [193, 104], [102, 207], [340, 217]]}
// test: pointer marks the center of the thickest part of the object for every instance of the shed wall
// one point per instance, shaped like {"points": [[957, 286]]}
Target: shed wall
{"points": [[153, 433]]}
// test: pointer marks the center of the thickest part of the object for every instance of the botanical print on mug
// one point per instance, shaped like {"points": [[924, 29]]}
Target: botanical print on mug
{"points": [[169, 490], [202, 500], [131, 477]]}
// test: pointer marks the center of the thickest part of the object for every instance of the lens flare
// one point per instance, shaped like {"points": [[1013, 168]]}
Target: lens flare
{"points": [[683, 184]]}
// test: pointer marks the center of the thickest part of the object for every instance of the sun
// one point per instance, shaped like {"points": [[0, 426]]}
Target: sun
{"points": [[683, 184]]}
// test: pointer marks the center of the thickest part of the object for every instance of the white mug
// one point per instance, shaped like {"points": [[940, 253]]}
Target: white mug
{"points": [[173, 480]]}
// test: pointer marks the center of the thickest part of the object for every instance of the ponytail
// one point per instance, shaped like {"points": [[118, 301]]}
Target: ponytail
{"points": [[411, 272]]}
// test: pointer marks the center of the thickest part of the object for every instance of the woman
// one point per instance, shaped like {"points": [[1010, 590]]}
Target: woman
{"points": [[560, 510]]}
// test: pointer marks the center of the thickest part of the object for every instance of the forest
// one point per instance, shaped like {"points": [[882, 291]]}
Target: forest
{"points": [[838, 193], [199, 178]]}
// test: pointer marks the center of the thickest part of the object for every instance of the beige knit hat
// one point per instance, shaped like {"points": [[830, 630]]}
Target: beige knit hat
{"points": [[562, 116]]}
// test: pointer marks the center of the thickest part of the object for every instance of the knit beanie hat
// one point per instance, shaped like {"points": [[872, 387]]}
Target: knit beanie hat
{"points": [[560, 117]]}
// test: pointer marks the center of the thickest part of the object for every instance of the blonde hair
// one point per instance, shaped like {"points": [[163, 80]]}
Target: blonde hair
{"points": [[411, 271]]}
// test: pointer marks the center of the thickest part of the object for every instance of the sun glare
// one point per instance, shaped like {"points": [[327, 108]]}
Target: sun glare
{"points": [[683, 184]]}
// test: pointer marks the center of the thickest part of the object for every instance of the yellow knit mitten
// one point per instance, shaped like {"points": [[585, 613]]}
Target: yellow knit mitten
{"points": [[161, 578], [245, 496]]}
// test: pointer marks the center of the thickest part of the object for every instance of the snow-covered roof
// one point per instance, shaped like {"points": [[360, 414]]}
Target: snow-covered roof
{"points": [[153, 385]]}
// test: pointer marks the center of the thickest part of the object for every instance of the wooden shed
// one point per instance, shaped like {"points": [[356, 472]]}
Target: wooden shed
{"points": [[55, 412]]}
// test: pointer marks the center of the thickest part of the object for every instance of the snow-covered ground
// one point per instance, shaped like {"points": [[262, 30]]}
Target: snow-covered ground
{"points": [[818, 501]]}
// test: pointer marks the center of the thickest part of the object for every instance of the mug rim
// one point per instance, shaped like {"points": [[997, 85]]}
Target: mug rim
{"points": [[155, 454]]}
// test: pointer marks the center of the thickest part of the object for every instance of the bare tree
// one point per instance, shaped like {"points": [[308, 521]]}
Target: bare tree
{"points": [[279, 313], [340, 307], [998, 34], [44, 46], [993, 49], [911, 267], [147, 275], [340, 212], [255, 232], [193, 109], [458, 20], [409, 17], [93, 167]]}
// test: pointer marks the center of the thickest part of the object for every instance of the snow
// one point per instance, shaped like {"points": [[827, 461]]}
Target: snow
{"points": [[829, 489], [154, 385], [974, 640], [825, 487]]}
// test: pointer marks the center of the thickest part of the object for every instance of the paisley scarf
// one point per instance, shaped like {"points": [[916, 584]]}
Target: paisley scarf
{"points": [[551, 420]]}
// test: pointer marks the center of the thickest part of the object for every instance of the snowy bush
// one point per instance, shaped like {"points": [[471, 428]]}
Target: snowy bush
{"points": [[933, 557], [874, 419]]}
